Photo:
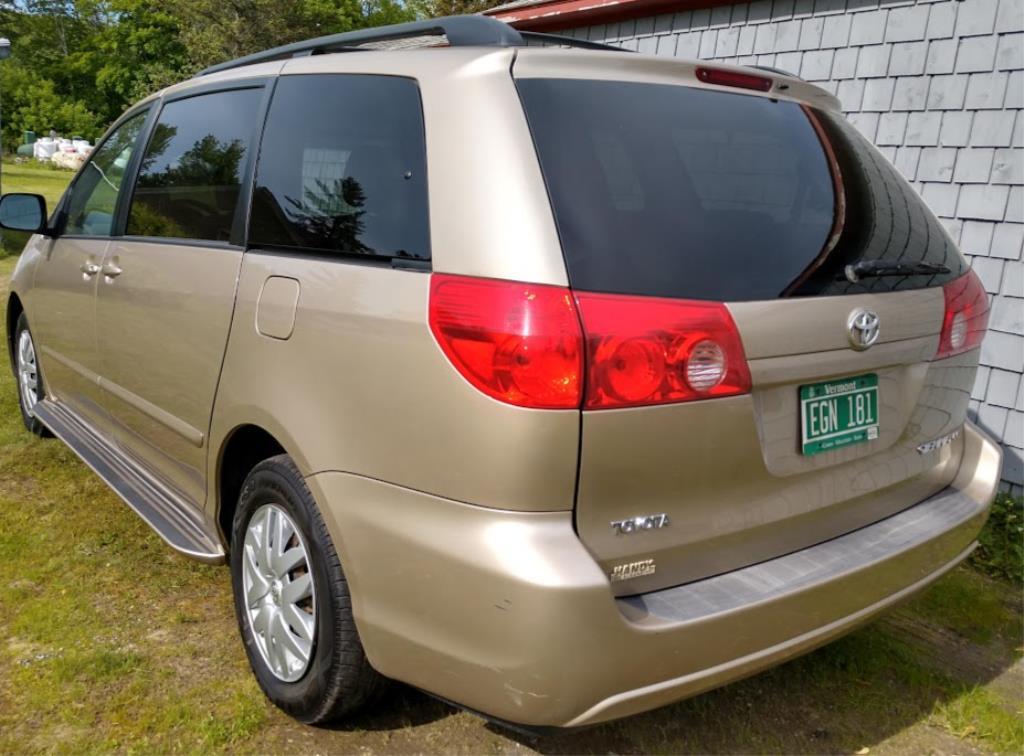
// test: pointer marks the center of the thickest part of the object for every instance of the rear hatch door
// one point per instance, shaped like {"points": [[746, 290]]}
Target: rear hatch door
{"points": [[783, 212]]}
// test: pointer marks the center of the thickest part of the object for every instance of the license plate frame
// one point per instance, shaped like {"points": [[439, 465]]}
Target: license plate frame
{"points": [[838, 413]]}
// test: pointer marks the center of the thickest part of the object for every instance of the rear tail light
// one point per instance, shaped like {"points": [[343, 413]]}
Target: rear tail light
{"points": [[522, 344], [519, 343], [642, 350], [966, 316], [725, 78]]}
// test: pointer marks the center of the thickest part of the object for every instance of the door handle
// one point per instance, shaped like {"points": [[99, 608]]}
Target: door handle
{"points": [[110, 270], [89, 269]]}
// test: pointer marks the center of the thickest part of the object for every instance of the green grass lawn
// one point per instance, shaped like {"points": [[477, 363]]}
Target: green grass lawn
{"points": [[109, 641], [35, 178]]}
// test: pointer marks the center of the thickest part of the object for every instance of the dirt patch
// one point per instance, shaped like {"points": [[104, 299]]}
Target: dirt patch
{"points": [[950, 652]]}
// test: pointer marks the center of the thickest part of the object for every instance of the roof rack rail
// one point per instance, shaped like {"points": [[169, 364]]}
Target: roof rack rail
{"points": [[457, 31]]}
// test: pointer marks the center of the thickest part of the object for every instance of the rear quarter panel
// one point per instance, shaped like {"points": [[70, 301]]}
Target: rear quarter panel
{"points": [[362, 387]]}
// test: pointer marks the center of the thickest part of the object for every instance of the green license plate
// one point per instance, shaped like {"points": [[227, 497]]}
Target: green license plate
{"points": [[838, 413]]}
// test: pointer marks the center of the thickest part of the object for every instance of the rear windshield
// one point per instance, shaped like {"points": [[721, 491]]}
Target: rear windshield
{"points": [[689, 193]]}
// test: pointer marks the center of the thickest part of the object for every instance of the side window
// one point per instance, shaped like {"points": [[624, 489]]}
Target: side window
{"points": [[90, 208], [191, 173], [342, 168]]}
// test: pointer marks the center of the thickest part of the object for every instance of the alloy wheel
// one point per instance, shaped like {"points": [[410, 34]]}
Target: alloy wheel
{"points": [[28, 372], [280, 597]]}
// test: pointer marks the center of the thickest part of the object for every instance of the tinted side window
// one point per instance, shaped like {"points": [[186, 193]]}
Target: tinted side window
{"points": [[90, 209], [191, 173], [342, 168]]}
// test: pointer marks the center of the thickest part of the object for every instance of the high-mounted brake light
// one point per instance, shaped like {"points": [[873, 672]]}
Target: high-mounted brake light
{"points": [[519, 343], [966, 316], [644, 350], [725, 78]]}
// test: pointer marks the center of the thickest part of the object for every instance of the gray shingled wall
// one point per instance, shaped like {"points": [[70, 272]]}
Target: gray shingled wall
{"points": [[939, 87]]}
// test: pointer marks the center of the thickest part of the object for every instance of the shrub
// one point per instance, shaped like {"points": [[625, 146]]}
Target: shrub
{"points": [[1001, 543], [32, 102]]}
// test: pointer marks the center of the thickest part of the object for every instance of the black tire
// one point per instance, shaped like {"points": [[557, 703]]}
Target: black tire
{"points": [[31, 422], [338, 680]]}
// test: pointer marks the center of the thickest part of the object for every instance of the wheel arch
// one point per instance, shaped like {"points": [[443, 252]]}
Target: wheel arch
{"points": [[243, 448], [14, 310]]}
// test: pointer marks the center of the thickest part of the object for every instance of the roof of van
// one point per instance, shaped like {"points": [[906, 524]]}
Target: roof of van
{"points": [[440, 46]]}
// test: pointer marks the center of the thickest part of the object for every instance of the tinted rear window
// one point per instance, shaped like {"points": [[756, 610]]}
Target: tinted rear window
{"points": [[342, 169], [681, 192]]}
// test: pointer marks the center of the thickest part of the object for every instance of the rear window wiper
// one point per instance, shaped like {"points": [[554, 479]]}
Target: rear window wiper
{"points": [[879, 268]]}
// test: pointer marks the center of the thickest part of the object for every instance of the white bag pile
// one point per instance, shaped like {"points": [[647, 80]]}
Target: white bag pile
{"points": [[44, 148], [65, 153]]}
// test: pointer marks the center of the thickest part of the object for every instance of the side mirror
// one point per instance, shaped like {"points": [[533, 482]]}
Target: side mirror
{"points": [[23, 212]]}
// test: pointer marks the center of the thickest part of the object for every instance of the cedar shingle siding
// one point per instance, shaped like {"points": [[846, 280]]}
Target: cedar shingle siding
{"points": [[939, 87]]}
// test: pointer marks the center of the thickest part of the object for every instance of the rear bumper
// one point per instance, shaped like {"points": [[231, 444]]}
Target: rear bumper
{"points": [[508, 614]]}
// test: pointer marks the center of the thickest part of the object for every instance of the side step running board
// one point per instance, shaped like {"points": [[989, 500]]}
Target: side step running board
{"points": [[179, 524]]}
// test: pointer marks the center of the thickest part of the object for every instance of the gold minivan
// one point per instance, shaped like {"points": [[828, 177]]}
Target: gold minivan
{"points": [[559, 383]]}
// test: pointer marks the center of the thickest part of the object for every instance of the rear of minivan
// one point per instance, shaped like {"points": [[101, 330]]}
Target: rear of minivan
{"points": [[771, 343], [679, 205]]}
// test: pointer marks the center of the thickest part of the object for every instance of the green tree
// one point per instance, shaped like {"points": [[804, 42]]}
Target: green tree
{"points": [[137, 53], [45, 84], [217, 30], [51, 39], [32, 102], [77, 64]]}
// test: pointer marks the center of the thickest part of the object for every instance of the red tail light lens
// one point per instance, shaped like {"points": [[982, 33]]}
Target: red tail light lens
{"points": [[643, 351], [519, 343], [738, 79], [966, 318]]}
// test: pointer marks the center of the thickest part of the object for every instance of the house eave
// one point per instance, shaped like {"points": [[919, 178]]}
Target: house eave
{"points": [[558, 15]]}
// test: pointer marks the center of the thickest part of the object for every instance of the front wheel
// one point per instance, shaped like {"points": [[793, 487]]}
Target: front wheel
{"points": [[30, 379], [292, 601]]}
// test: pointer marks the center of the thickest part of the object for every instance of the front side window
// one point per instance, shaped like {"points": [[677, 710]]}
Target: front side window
{"points": [[191, 174], [93, 200], [342, 168]]}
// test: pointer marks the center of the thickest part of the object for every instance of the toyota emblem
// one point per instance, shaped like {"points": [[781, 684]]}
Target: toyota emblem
{"points": [[864, 326]]}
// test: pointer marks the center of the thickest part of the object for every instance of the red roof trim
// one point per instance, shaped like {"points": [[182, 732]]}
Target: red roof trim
{"points": [[556, 15]]}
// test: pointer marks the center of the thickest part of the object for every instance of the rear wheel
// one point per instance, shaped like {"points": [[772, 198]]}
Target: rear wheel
{"points": [[292, 601], [30, 379]]}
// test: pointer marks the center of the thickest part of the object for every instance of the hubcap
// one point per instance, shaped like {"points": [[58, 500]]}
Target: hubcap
{"points": [[280, 598], [28, 372]]}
